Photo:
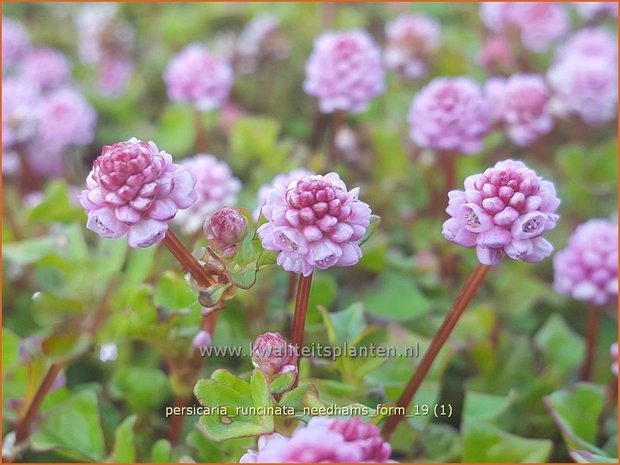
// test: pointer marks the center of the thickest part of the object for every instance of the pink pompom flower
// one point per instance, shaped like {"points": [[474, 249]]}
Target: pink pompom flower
{"points": [[344, 71], [591, 42], [323, 440], [281, 179], [587, 269], [449, 114], [215, 186], [15, 42], [539, 24], [521, 102], [496, 56], [411, 40], [135, 189], [20, 100], [199, 78], [225, 229], [46, 67], [503, 211], [314, 222]]}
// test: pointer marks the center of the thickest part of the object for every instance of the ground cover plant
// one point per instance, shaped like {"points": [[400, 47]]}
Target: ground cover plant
{"points": [[309, 232]]}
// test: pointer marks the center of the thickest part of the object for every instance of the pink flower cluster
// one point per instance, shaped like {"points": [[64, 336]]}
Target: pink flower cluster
{"points": [[281, 179], [199, 78], [584, 76], [503, 211], [587, 269], [135, 189], [538, 24], [323, 440], [215, 187], [411, 40], [46, 67], [449, 114], [344, 71], [496, 56], [15, 42], [261, 39], [314, 222], [521, 103]]}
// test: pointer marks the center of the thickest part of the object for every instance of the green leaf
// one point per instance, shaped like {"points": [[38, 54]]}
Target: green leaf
{"points": [[396, 297], [142, 388], [483, 442], [30, 251], [583, 456], [172, 292], [73, 428], [246, 406], [69, 342], [254, 138], [282, 383], [344, 326], [10, 350], [124, 448], [56, 206], [576, 411], [323, 293], [176, 131], [160, 453], [305, 395], [561, 346], [49, 309], [487, 407]]}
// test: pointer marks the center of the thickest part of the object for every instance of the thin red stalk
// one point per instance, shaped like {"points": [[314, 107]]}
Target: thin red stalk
{"points": [[201, 132], [591, 338], [186, 259], [22, 430], [301, 308], [176, 421], [338, 119], [449, 322]]}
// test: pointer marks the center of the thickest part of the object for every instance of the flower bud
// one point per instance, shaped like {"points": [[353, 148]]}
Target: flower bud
{"points": [[272, 354], [225, 229], [202, 339]]}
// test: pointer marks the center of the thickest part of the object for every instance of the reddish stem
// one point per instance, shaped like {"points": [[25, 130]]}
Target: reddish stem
{"points": [[201, 133], [449, 322], [22, 430], [591, 338], [338, 119], [186, 259], [301, 308], [176, 421]]}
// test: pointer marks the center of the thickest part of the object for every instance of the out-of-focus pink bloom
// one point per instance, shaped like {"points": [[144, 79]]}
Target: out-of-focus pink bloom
{"points": [[273, 355], [344, 71], [314, 222], [583, 86], [587, 269], [592, 42], [10, 162], [521, 103], [45, 160], [65, 119], [202, 339], [496, 56], [260, 39], [449, 114], [614, 355], [15, 42], [108, 352], [199, 78], [20, 101], [225, 229], [114, 74], [411, 40], [503, 211], [46, 67], [538, 23], [135, 189], [323, 440], [215, 186], [590, 10], [280, 179]]}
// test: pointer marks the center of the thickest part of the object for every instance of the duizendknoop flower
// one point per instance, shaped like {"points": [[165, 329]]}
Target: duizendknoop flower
{"points": [[283, 179], [197, 77], [135, 189], [449, 114], [274, 355], [587, 269], [225, 229], [314, 222], [20, 100], [344, 71], [15, 42], [411, 40], [323, 440], [46, 67], [503, 212], [521, 103], [215, 186]]}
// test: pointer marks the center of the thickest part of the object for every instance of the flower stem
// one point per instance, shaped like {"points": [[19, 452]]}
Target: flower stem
{"points": [[449, 322], [338, 119], [186, 259], [23, 425], [591, 338], [301, 308], [201, 133]]}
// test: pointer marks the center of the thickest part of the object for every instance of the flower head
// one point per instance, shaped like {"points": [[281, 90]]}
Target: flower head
{"points": [[20, 100], [503, 211], [344, 71], [281, 179], [199, 78], [225, 229], [495, 55], [411, 40], [215, 186], [521, 103], [314, 222], [135, 189], [273, 355], [589, 42], [202, 339], [323, 440], [15, 42], [587, 269], [46, 67], [449, 114]]}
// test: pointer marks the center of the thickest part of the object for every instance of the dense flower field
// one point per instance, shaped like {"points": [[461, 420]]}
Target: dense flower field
{"points": [[309, 232]]}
